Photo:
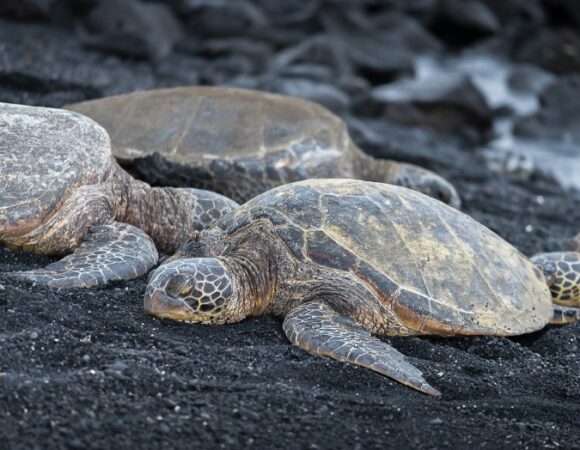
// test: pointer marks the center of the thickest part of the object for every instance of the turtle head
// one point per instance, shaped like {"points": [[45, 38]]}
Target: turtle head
{"points": [[562, 273], [192, 290]]}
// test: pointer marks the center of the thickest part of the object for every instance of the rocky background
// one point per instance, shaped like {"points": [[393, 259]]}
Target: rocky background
{"points": [[485, 92]]}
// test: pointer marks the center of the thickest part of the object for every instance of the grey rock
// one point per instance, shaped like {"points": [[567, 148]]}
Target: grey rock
{"points": [[445, 103]]}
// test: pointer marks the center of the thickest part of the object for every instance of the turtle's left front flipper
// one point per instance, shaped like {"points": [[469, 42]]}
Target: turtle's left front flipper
{"points": [[117, 251], [562, 273], [318, 328]]}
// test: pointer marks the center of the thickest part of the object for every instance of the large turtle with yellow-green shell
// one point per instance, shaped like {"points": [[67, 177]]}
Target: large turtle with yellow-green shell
{"points": [[339, 260]]}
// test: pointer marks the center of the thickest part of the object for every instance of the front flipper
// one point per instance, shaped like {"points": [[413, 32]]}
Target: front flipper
{"points": [[319, 329], [118, 251]]}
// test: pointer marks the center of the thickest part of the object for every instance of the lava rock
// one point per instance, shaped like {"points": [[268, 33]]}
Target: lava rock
{"points": [[530, 79], [427, 148], [407, 32], [563, 12], [461, 22], [327, 95], [26, 9], [377, 54], [555, 50], [445, 103], [254, 49], [559, 115], [225, 19], [510, 164], [133, 28], [319, 51], [289, 11], [510, 11]]}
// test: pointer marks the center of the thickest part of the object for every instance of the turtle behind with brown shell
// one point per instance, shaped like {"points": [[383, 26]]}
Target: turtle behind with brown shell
{"points": [[241, 143]]}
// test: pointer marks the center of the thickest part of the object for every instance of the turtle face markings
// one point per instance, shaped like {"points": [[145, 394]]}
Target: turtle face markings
{"points": [[562, 273], [190, 290]]}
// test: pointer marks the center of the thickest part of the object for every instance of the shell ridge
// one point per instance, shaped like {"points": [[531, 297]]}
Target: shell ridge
{"points": [[129, 110], [187, 128], [452, 232], [407, 248]]}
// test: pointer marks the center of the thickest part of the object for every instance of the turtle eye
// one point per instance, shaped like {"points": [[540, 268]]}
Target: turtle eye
{"points": [[186, 290], [176, 285]]}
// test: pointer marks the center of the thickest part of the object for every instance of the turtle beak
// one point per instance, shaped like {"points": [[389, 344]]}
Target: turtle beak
{"points": [[159, 300], [159, 304]]}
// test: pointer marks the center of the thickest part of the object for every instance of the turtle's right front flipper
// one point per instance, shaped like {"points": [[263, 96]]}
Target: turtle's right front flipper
{"points": [[117, 251], [319, 329]]}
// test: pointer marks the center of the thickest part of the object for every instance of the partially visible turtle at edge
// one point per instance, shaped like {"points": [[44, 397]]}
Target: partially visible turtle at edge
{"points": [[340, 259], [63, 192], [241, 143]]}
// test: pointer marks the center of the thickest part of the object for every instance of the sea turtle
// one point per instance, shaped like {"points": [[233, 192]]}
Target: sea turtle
{"points": [[562, 273], [63, 192], [241, 143], [340, 259]]}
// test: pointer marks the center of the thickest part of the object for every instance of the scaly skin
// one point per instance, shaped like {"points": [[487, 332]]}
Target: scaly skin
{"points": [[168, 215], [562, 272]]}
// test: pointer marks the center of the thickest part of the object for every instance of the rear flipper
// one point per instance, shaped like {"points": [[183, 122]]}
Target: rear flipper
{"points": [[422, 180], [118, 251], [319, 329]]}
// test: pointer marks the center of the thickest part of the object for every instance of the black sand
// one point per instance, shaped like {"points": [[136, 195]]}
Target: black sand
{"points": [[87, 368]]}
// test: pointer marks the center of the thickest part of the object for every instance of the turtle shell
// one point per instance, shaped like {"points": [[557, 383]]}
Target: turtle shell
{"points": [[441, 271], [189, 124], [237, 142], [45, 154]]}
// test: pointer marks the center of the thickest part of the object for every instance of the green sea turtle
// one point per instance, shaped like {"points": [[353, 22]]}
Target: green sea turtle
{"points": [[562, 273], [341, 259], [241, 143], [63, 192]]}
